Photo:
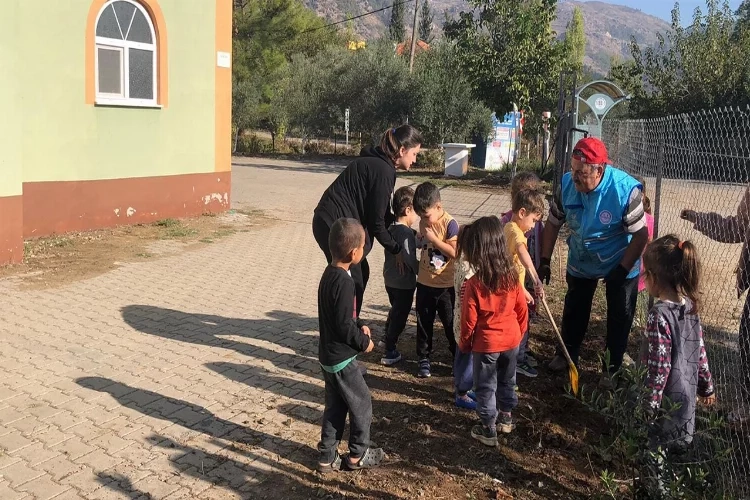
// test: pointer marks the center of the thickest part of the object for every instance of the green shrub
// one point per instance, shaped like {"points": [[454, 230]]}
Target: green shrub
{"points": [[252, 144], [654, 472], [430, 159]]}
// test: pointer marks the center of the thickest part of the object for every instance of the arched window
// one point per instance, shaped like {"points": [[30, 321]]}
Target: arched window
{"points": [[125, 55]]}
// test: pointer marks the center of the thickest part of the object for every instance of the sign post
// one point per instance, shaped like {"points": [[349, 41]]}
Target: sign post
{"points": [[346, 125]]}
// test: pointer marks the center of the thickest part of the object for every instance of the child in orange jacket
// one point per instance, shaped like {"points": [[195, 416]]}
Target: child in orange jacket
{"points": [[494, 316]]}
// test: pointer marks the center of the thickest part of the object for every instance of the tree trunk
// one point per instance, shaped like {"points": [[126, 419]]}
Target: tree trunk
{"points": [[236, 139]]}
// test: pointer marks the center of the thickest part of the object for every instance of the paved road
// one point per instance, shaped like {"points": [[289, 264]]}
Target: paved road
{"points": [[190, 376]]}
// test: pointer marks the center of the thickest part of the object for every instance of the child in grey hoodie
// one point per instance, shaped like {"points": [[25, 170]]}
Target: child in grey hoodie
{"points": [[400, 272]]}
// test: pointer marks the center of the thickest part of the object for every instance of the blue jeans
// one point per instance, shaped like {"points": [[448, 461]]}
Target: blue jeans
{"points": [[494, 384], [463, 372]]}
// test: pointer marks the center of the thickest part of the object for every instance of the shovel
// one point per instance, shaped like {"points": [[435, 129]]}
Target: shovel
{"points": [[572, 370]]}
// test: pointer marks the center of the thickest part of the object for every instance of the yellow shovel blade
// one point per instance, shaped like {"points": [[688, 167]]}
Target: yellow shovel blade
{"points": [[573, 372]]}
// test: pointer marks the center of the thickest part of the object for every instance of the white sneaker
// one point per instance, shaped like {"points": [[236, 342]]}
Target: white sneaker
{"points": [[627, 361]]}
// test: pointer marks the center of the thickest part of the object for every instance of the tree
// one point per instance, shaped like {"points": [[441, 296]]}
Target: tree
{"points": [[301, 95], [705, 65], [266, 35], [425, 23], [375, 85], [509, 52], [246, 99], [444, 108], [743, 17], [314, 91], [396, 29], [575, 43]]}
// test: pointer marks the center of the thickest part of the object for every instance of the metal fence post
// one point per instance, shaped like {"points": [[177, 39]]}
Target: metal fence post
{"points": [[660, 158]]}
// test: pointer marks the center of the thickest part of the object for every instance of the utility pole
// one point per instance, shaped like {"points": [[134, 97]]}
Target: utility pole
{"points": [[413, 36]]}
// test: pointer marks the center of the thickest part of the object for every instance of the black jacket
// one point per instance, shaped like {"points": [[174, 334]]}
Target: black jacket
{"points": [[340, 335], [364, 191]]}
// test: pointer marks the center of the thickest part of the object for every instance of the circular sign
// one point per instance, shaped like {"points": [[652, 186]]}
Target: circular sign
{"points": [[600, 103]]}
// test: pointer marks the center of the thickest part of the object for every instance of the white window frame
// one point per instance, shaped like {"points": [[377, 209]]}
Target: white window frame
{"points": [[124, 46]]}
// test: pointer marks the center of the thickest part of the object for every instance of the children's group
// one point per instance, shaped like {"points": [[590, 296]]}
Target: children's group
{"points": [[482, 281]]}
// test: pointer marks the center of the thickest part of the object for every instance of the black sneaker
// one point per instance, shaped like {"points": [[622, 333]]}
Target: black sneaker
{"points": [[527, 370], [484, 435], [333, 466], [424, 368], [390, 358]]}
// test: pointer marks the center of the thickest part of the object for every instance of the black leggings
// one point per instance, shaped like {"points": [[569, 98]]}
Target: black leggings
{"points": [[360, 272]]}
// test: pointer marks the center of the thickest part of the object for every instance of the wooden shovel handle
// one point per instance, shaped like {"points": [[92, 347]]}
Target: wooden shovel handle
{"points": [[559, 337]]}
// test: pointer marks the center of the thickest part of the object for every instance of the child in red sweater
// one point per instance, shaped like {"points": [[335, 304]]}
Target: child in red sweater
{"points": [[494, 316]]}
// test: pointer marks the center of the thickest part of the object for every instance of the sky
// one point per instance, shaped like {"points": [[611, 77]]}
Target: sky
{"points": [[663, 8]]}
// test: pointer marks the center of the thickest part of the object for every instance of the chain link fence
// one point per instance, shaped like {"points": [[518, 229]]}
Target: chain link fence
{"points": [[701, 162]]}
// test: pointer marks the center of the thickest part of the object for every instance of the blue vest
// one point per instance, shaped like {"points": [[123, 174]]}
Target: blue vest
{"points": [[598, 238]]}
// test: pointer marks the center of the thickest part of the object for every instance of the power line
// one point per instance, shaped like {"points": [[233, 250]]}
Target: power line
{"points": [[355, 17]]}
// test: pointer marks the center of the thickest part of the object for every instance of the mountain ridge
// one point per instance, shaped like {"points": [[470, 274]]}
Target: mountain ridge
{"points": [[608, 26]]}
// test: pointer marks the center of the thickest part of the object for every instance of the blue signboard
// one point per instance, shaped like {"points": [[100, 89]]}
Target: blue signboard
{"points": [[501, 146]]}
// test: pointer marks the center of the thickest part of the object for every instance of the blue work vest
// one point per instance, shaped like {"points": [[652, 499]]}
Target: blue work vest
{"points": [[598, 237]]}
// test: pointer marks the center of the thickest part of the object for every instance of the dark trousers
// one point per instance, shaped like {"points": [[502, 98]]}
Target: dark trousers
{"points": [[494, 384], [521, 358], [621, 301], [346, 393], [463, 372], [360, 272], [430, 301], [401, 301]]}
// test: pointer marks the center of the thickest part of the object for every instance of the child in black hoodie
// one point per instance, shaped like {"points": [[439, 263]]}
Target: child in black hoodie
{"points": [[342, 337]]}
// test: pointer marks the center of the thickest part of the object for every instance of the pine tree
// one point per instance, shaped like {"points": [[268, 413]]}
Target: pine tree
{"points": [[743, 18], [575, 41], [425, 23], [396, 29]]}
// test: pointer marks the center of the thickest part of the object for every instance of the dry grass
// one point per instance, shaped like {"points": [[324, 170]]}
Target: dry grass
{"points": [[57, 260]]}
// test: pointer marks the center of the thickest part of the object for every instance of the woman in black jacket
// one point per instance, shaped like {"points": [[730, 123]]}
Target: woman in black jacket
{"points": [[363, 191]]}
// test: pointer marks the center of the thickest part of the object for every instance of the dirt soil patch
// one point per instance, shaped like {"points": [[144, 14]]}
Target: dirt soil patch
{"points": [[57, 260]]}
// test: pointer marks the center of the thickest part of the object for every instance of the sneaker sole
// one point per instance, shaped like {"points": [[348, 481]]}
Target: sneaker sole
{"points": [[506, 428], [389, 362], [484, 439], [527, 374], [423, 375]]}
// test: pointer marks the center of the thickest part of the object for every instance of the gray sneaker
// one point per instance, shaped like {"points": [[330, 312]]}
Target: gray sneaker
{"points": [[558, 364], [484, 435]]}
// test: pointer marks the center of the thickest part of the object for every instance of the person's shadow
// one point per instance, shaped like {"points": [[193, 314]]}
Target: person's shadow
{"points": [[280, 328], [259, 448], [282, 340]]}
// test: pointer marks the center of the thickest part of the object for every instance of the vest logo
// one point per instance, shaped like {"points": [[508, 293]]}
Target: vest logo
{"points": [[605, 216]]}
